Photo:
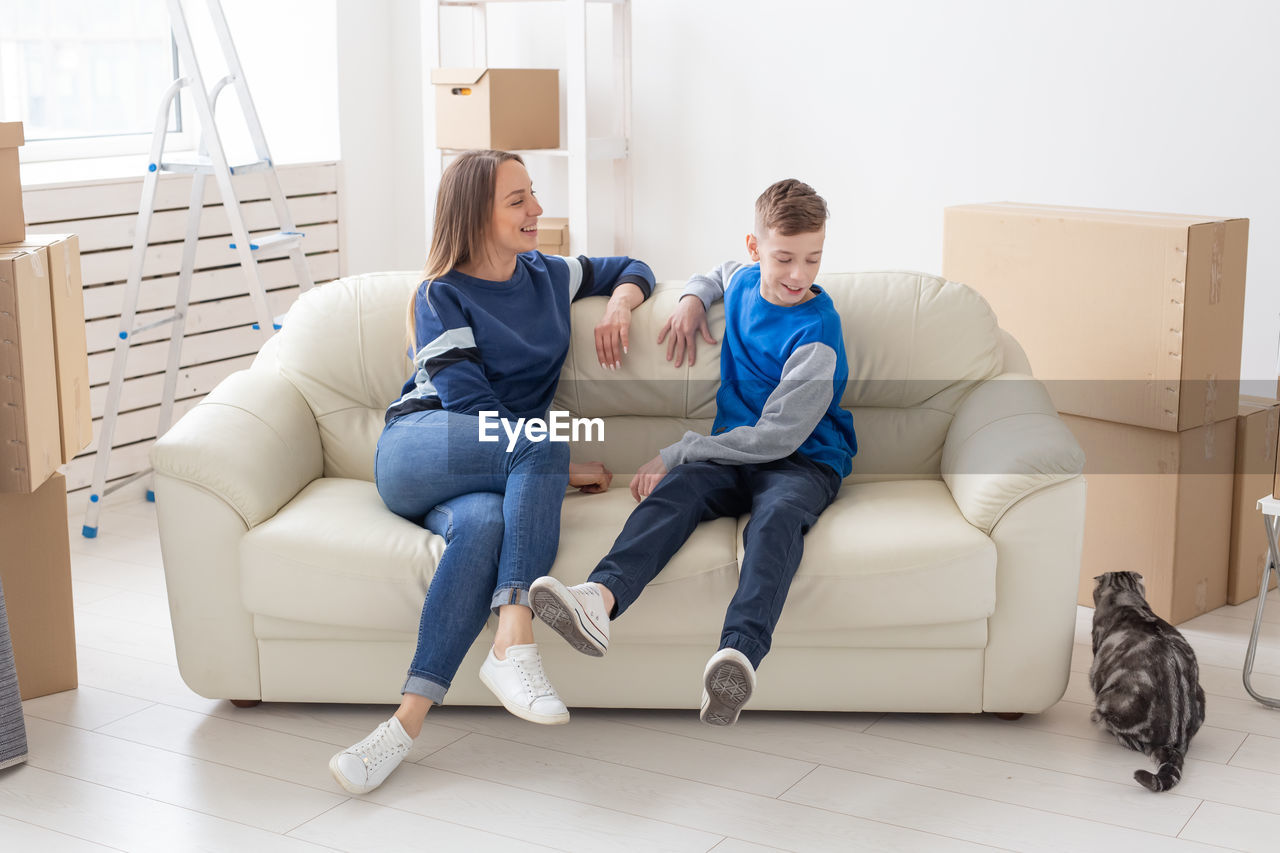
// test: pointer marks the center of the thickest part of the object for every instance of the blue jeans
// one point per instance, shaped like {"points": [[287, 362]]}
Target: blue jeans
{"points": [[785, 498], [499, 514]]}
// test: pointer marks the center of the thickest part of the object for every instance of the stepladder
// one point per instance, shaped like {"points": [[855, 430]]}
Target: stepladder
{"points": [[209, 161]]}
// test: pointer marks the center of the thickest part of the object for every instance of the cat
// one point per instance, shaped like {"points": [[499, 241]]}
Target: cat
{"points": [[1144, 677]]}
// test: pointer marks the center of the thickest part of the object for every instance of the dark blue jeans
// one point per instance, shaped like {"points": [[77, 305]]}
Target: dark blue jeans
{"points": [[499, 514], [785, 498]]}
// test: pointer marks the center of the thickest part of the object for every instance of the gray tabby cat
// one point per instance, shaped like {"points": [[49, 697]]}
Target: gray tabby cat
{"points": [[1144, 678]]}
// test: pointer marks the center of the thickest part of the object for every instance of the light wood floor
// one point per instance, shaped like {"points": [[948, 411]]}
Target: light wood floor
{"points": [[133, 760]]}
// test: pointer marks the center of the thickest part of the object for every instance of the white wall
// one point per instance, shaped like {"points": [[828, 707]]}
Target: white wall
{"points": [[380, 109], [286, 48], [896, 110]]}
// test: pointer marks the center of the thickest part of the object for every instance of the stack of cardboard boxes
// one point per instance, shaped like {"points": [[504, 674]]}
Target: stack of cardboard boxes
{"points": [[1134, 323], [44, 421]]}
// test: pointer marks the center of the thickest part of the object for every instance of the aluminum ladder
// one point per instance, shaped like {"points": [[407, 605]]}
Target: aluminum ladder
{"points": [[210, 159]]}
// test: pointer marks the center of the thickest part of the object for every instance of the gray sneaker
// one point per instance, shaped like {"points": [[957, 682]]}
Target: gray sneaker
{"points": [[574, 612], [727, 683]]}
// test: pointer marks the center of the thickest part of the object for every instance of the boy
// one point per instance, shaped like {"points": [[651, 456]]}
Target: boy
{"points": [[779, 447]]}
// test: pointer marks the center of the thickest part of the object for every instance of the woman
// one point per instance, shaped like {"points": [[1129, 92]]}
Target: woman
{"points": [[489, 328]]}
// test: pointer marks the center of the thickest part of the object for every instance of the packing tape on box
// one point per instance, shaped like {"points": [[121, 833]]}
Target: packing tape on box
{"points": [[1273, 425], [1210, 433], [1215, 261], [1210, 398], [36, 264], [66, 265]]}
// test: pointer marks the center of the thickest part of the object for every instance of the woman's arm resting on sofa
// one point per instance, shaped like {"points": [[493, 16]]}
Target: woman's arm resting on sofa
{"points": [[253, 442], [1005, 442]]}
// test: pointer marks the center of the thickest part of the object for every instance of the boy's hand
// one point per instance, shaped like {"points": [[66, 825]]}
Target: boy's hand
{"points": [[590, 478], [684, 324], [648, 478]]}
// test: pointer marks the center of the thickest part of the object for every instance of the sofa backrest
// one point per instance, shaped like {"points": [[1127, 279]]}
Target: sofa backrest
{"points": [[916, 345]]}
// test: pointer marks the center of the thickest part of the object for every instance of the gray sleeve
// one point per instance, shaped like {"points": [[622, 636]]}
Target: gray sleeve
{"points": [[710, 287], [790, 415]]}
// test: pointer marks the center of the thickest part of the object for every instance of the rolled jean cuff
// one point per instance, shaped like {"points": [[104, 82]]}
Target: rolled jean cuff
{"points": [[509, 595], [421, 686]]}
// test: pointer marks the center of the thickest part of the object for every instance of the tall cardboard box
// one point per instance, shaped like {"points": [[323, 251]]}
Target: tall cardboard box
{"points": [[504, 108], [553, 235], [36, 573], [62, 255], [12, 225], [1275, 485], [1256, 428], [30, 439], [1128, 317], [1160, 505]]}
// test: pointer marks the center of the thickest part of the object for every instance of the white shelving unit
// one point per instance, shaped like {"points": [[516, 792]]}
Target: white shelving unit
{"points": [[578, 149]]}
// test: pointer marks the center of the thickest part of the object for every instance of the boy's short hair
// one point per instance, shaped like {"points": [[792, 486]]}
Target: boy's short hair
{"points": [[791, 207]]}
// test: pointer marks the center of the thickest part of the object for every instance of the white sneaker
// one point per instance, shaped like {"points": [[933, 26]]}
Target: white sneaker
{"points": [[576, 613], [727, 683], [365, 766], [522, 687]]}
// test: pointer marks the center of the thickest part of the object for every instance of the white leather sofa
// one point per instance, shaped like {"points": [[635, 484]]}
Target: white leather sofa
{"points": [[942, 579]]}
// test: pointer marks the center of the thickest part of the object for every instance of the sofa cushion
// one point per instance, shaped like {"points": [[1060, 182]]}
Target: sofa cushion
{"points": [[912, 339], [889, 554], [335, 555], [344, 346]]}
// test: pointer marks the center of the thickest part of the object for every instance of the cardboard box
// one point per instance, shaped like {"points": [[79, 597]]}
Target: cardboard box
{"points": [[30, 439], [1275, 484], [36, 573], [70, 346], [553, 235], [1256, 429], [13, 226], [1160, 505], [1128, 317], [504, 108]]}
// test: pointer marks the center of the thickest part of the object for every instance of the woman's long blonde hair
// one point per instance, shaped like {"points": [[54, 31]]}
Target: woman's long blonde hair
{"points": [[464, 209]]}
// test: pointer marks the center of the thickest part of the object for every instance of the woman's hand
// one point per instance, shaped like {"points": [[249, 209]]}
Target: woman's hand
{"points": [[613, 333], [648, 478], [590, 478], [684, 324]]}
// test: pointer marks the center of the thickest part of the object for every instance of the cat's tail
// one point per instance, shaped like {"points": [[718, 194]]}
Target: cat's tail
{"points": [[1169, 772]]}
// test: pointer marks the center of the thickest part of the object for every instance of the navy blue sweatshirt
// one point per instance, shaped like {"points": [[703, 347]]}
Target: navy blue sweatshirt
{"points": [[499, 345]]}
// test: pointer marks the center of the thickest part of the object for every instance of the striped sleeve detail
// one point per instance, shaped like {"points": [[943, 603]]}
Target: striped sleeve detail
{"points": [[575, 274], [453, 346]]}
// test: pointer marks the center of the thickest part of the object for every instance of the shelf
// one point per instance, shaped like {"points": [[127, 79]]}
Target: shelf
{"points": [[599, 148], [577, 150]]}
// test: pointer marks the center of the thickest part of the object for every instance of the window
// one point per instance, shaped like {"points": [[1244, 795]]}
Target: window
{"points": [[86, 77]]}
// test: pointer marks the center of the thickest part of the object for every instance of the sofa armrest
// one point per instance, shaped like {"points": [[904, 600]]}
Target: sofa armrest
{"points": [[1006, 442], [253, 442]]}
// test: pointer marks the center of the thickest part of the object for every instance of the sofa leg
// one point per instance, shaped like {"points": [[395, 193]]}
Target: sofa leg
{"points": [[1009, 716], [246, 703]]}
